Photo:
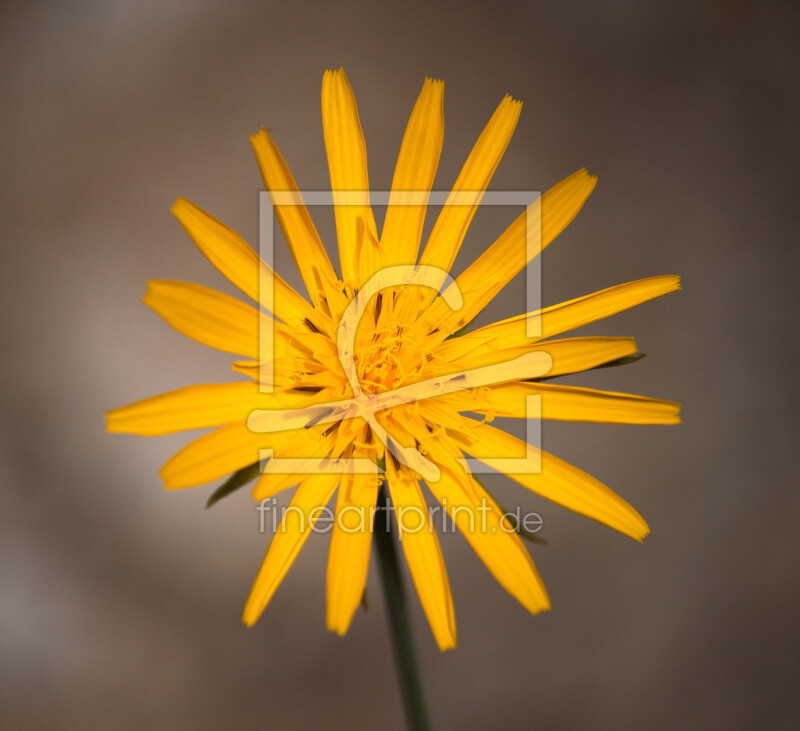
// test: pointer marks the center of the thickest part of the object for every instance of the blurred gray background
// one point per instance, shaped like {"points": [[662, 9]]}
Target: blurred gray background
{"points": [[120, 603]]}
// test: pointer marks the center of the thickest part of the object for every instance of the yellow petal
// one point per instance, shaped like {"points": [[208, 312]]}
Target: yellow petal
{"points": [[237, 261], [565, 403], [425, 560], [347, 162], [413, 177], [212, 318], [307, 454], [348, 558], [192, 407], [575, 313], [296, 223], [298, 520], [534, 230], [462, 203], [199, 407], [228, 449], [213, 455], [368, 251], [570, 355], [558, 481], [270, 483], [291, 372], [480, 520]]}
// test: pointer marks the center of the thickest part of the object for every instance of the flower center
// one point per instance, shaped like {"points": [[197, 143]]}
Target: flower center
{"points": [[388, 359]]}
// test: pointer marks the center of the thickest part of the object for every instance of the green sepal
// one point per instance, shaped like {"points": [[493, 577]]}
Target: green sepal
{"points": [[625, 360], [458, 333], [520, 531], [238, 479]]}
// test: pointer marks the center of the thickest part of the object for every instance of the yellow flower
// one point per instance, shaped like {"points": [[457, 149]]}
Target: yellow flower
{"points": [[379, 378]]}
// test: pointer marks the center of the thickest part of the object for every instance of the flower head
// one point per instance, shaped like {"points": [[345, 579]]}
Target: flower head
{"points": [[374, 380]]}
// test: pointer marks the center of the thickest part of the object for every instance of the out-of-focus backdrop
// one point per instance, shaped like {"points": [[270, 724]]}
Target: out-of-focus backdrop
{"points": [[120, 603]]}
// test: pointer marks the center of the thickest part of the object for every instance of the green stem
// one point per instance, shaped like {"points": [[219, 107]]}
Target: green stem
{"points": [[399, 619]]}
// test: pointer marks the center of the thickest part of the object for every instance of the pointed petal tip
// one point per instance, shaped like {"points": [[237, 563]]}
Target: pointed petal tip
{"points": [[252, 611], [536, 602], [582, 177], [108, 419], [152, 289], [666, 283], [675, 416], [114, 422], [336, 628], [181, 204], [638, 530], [249, 618], [148, 290], [334, 74], [576, 187], [171, 482], [634, 527], [515, 105], [540, 598], [449, 644], [539, 608]]}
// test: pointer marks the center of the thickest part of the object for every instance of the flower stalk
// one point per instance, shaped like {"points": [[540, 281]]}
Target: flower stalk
{"points": [[399, 618]]}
